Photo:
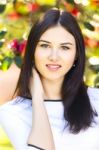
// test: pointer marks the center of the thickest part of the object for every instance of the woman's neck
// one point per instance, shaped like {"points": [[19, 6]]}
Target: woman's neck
{"points": [[52, 89]]}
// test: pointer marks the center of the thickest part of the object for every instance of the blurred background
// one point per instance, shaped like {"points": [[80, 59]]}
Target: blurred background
{"points": [[16, 19]]}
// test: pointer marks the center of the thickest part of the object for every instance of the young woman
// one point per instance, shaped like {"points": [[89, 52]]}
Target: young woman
{"points": [[53, 109]]}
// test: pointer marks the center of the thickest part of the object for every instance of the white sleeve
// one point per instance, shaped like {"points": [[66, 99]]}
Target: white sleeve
{"points": [[31, 148], [94, 98], [16, 122], [34, 148]]}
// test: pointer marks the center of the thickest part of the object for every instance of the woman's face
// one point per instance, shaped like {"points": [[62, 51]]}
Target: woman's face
{"points": [[55, 53]]}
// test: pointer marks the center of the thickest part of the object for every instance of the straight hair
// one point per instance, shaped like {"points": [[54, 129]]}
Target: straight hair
{"points": [[78, 111]]}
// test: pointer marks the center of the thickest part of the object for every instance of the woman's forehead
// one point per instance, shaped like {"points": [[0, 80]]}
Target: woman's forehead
{"points": [[57, 33]]}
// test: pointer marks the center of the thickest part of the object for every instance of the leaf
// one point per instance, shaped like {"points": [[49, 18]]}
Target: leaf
{"points": [[95, 68], [6, 63], [89, 26], [2, 8], [96, 81], [1, 43], [70, 1], [18, 61], [2, 33]]}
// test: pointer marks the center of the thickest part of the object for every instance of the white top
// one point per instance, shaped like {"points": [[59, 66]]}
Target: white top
{"points": [[15, 118]]}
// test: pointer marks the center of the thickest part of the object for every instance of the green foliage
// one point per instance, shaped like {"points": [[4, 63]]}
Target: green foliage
{"points": [[2, 33], [18, 61], [18, 15], [16, 18], [89, 26], [6, 63], [1, 43], [2, 8]]}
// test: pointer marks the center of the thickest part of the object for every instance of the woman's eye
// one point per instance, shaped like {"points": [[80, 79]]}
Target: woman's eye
{"points": [[65, 48], [44, 45]]}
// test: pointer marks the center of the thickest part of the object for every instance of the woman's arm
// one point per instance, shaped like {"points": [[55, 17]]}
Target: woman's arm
{"points": [[8, 82], [41, 134]]}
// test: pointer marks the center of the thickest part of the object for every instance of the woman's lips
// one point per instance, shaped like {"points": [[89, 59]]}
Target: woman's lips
{"points": [[53, 67]]}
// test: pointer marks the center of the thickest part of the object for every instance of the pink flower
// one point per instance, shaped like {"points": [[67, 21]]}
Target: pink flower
{"points": [[18, 46], [14, 44], [22, 46]]}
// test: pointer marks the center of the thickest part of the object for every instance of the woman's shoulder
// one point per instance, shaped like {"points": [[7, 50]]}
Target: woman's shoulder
{"points": [[94, 97], [17, 110], [18, 103], [93, 93], [15, 119]]}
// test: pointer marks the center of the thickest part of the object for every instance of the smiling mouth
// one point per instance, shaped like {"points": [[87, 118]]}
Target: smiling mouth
{"points": [[53, 67]]}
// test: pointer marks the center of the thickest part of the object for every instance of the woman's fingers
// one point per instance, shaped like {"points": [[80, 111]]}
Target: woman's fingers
{"points": [[36, 87]]}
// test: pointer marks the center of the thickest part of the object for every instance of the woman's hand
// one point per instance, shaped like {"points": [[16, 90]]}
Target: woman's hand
{"points": [[36, 87], [40, 134]]}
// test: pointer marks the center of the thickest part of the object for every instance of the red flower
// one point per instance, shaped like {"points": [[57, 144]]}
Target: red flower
{"points": [[18, 46], [75, 12], [14, 16], [14, 44], [22, 46], [33, 6]]}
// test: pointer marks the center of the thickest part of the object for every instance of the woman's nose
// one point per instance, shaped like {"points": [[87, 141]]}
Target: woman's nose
{"points": [[53, 56]]}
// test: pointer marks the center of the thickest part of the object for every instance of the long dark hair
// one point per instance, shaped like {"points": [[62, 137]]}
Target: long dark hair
{"points": [[77, 108]]}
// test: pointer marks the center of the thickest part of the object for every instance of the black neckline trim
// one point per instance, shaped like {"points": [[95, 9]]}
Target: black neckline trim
{"points": [[31, 145], [48, 100]]}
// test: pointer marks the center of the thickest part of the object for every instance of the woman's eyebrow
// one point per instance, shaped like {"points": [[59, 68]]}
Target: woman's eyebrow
{"points": [[44, 41], [66, 43]]}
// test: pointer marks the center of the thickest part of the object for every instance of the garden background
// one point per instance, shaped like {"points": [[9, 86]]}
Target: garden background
{"points": [[16, 19]]}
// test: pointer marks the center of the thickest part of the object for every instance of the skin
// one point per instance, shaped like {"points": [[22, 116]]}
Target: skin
{"points": [[8, 82], [40, 134], [54, 49], [46, 82]]}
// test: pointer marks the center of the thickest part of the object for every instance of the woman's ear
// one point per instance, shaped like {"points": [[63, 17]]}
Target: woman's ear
{"points": [[75, 61]]}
